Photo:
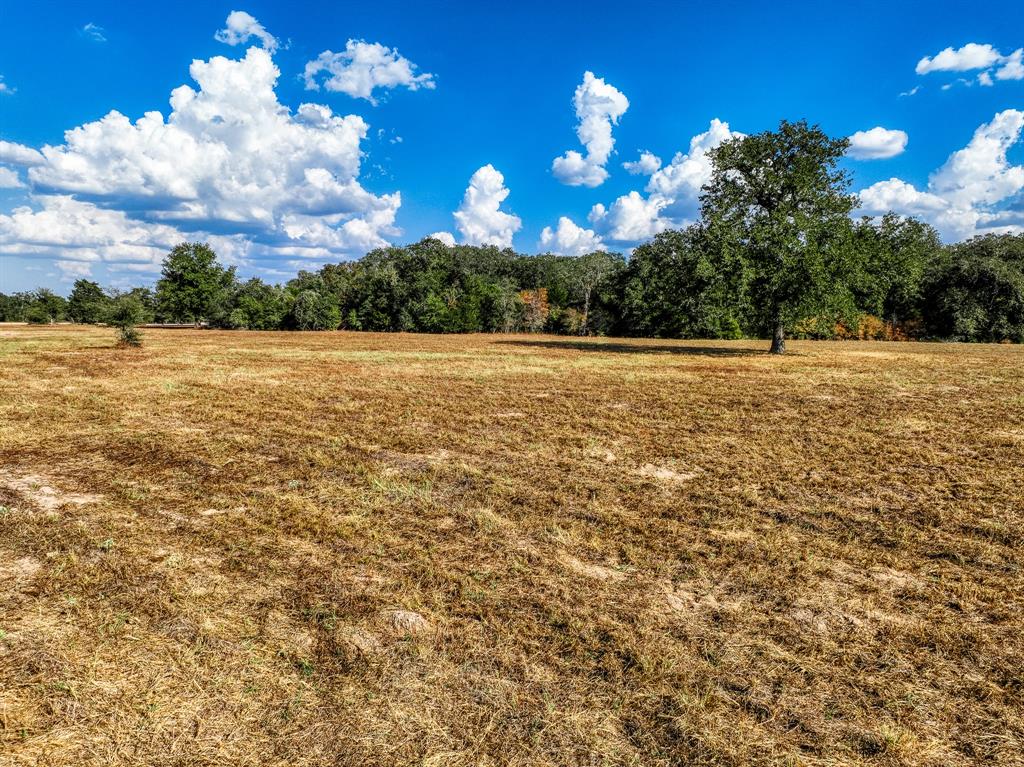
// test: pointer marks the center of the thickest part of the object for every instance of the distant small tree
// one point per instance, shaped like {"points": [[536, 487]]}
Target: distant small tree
{"points": [[125, 315], [87, 304], [193, 286], [147, 299], [778, 201]]}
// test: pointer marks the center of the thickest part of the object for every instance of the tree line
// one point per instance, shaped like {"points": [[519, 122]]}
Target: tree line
{"points": [[775, 254]]}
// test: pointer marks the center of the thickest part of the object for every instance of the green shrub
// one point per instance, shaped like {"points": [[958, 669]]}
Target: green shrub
{"points": [[127, 312]]}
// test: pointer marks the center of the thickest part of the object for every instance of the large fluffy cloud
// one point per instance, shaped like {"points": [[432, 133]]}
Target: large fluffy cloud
{"points": [[679, 183], [972, 57], [479, 218], [73, 230], [568, 239], [599, 106], [364, 67], [228, 159], [877, 144], [970, 192], [630, 218], [80, 234], [229, 152], [673, 192]]}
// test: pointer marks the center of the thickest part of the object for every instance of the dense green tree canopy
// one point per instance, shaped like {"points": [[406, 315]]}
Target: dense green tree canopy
{"points": [[87, 303], [193, 286], [257, 306], [44, 306], [894, 253], [974, 291], [676, 286]]}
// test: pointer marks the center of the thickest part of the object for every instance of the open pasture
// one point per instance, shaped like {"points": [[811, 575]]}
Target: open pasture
{"points": [[232, 548]]}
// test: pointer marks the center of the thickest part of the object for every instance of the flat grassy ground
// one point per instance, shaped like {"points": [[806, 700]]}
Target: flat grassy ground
{"points": [[359, 549]]}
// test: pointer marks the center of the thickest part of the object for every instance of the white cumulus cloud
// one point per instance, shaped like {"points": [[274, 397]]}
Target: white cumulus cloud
{"points": [[362, 68], [5, 89], [979, 174], [9, 179], [971, 57], [679, 183], [569, 239], [19, 154], [228, 159], [446, 237], [877, 144], [631, 218], [599, 105], [241, 27], [673, 192], [968, 194], [479, 218], [645, 166], [1013, 66], [80, 231], [72, 270]]}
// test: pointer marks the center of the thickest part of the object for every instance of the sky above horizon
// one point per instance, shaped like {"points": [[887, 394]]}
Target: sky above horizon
{"points": [[294, 135]]}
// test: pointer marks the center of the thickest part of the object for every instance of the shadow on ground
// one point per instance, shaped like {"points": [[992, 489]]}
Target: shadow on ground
{"points": [[620, 347]]}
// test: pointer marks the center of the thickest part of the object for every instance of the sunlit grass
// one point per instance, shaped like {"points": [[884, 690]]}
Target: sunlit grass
{"points": [[622, 552]]}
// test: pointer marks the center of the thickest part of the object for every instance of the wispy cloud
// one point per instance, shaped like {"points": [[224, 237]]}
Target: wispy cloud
{"points": [[94, 32]]}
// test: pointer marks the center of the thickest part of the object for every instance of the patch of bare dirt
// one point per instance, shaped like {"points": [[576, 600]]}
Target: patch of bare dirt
{"points": [[590, 570], [407, 622], [42, 494], [665, 474]]}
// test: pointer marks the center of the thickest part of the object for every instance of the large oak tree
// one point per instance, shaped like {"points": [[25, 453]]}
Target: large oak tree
{"points": [[778, 205]]}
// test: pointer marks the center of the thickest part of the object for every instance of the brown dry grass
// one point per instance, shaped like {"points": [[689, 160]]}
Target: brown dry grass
{"points": [[356, 549]]}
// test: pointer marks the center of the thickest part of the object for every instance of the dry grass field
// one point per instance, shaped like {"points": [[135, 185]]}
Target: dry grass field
{"points": [[358, 549]]}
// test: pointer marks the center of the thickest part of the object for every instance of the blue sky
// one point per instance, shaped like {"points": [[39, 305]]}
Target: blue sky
{"points": [[466, 86]]}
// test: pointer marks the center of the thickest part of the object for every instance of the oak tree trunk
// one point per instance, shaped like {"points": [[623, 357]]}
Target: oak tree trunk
{"points": [[779, 338]]}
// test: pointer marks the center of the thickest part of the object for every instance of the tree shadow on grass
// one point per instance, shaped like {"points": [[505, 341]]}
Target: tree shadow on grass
{"points": [[620, 347]]}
